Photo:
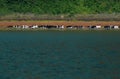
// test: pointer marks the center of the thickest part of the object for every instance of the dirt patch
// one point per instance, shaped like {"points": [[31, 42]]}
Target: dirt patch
{"points": [[4, 24]]}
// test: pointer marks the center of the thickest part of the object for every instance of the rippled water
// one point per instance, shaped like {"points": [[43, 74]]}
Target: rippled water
{"points": [[60, 55]]}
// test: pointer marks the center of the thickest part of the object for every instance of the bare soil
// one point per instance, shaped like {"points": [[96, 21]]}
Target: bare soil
{"points": [[4, 24]]}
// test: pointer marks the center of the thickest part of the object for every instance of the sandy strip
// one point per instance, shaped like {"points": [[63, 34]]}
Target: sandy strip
{"points": [[4, 24]]}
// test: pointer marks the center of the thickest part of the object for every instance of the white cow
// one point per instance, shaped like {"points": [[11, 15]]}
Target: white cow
{"points": [[26, 26], [116, 27], [62, 27], [34, 26], [98, 27], [15, 26], [23, 26]]}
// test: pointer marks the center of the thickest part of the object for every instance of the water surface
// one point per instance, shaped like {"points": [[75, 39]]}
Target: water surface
{"points": [[60, 55]]}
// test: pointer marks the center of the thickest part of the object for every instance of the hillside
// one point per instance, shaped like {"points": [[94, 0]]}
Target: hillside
{"points": [[59, 6], [60, 10]]}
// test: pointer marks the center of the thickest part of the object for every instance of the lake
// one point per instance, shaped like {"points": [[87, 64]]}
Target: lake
{"points": [[60, 55]]}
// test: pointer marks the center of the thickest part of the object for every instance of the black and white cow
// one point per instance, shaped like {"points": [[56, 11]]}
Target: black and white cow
{"points": [[107, 27]]}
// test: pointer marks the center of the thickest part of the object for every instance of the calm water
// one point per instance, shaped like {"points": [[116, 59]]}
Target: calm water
{"points": [[59, 55]]}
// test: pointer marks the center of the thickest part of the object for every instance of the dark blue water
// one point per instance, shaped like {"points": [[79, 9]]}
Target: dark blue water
{"points": [[60, 55]]}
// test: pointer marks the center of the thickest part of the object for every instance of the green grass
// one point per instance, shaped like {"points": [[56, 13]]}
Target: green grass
{"points": [[60, 10]]}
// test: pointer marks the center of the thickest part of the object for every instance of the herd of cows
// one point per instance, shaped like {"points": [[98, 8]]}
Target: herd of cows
{"points": [[64, 27]]}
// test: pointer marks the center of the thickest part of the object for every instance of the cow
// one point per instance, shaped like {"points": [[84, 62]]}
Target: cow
{"points": [[107, 27], [80, 27], [24, 26], [69, 27], [62, 27], [115, 27], [98, 27], [34, 26], [10, 26]]}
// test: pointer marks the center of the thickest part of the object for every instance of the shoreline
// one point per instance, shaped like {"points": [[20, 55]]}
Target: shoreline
{"points": [[4, 25], [65, 23], [57, 30]]}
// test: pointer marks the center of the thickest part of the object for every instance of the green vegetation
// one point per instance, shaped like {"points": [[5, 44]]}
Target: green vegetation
{"points": [[56, 7], [59, 9]]}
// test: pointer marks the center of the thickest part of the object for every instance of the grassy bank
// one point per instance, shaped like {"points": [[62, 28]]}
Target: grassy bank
{"points": [[77, 17], [81, 10]]}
